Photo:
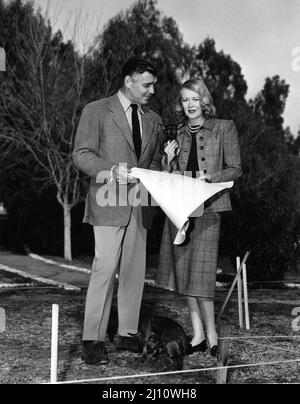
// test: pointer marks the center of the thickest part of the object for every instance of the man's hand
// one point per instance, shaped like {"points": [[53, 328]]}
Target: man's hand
{"points": [[123, 175]]}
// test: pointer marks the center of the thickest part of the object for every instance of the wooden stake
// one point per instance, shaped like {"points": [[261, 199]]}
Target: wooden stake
{"points": [[2, 60], [233, 285], [246, 301], [223, 354], [54, 343], [240, 293], [2, 320]]}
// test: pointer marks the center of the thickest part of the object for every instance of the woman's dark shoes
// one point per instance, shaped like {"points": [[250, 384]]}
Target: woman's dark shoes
{"points": [[202, 347], [214, 350], [93, 352]]}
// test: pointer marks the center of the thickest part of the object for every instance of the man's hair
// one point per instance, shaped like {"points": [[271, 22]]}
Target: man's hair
{"points": [[138, 65]]}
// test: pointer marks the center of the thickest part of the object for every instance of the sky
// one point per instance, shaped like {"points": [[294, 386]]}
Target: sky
{"points": [[263, 36]]}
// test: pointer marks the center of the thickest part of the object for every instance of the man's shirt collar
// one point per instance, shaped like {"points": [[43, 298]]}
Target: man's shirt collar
{"points": [[126, 103]]}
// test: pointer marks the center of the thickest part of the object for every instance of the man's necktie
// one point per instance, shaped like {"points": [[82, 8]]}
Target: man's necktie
{"points": [[136, 131]]}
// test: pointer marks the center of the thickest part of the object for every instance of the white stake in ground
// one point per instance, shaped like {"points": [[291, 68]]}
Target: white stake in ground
{"points": [[54, 343], [2, 320], [246, 301], [233, 286], [240, 293]]}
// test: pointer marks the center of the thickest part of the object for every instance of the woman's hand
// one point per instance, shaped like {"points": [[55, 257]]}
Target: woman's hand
{"points": [[171, 150], [204, 177]]}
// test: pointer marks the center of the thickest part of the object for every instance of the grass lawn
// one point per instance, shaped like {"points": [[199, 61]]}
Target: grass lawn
{"points": [[25, 346]]}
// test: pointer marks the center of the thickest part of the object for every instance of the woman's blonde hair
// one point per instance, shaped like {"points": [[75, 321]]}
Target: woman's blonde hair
{"points": [[206, 101]]}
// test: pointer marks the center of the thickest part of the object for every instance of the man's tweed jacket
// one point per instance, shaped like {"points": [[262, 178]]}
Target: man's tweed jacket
{"points": [[104, 139]]}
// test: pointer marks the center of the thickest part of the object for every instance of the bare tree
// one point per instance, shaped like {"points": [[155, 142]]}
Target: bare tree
{"points": [[41, 98]]}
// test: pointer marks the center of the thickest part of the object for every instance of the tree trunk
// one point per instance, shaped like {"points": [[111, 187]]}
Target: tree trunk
{"points": [[67, 232]]}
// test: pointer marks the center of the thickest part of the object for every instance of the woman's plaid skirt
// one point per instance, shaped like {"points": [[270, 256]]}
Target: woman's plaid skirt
{"points": [[190, 268]]}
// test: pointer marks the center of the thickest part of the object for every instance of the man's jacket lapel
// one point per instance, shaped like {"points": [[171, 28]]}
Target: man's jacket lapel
{"points": [[147, 124], [119, 117]]}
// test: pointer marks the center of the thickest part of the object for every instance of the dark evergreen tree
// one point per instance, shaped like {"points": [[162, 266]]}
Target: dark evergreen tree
{"points": [[141, 31]]}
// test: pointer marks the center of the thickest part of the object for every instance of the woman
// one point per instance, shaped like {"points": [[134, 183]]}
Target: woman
{"points": [[206, 148]]}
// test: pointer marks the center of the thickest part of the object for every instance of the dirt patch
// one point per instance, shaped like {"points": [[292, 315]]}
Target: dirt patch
{"points": [[25, 346]]}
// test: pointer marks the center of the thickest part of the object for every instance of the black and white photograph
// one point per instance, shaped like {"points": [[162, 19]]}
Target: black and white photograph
{"points": [[149, 195]]}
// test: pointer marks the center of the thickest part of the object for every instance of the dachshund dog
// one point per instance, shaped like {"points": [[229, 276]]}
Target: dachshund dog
{"points": [[161, 334]]}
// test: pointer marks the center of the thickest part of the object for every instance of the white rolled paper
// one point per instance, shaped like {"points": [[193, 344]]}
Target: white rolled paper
{"points": [[179, 196]]}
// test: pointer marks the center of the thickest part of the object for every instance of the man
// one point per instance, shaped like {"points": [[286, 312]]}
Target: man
{"points": [[114, 135]]}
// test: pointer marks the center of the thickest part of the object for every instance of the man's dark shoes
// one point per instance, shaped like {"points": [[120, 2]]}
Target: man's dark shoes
{"points": [[128, 344], [93, 352]]}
